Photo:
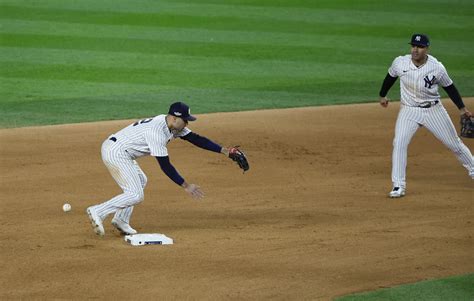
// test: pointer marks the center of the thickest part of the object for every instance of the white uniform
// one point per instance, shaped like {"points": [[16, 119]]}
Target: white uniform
{"points": [[419, 88], [145, 137]]}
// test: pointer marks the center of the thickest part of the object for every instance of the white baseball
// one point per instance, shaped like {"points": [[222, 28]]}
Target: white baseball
{"points": [[67, 207]]}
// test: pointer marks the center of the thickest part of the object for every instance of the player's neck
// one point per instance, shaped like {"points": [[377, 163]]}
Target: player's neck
{"points": [[420, 62]]}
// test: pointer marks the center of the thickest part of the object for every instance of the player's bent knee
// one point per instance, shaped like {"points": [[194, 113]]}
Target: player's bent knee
{"points": [[136, 197]]}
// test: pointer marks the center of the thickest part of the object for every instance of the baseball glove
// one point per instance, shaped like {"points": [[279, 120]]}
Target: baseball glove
{"points": [[238, 156], [467, 126]]}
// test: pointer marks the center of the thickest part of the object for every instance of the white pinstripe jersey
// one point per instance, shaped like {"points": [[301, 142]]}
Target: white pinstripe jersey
{"points": [[148, 137], [419, 84]]}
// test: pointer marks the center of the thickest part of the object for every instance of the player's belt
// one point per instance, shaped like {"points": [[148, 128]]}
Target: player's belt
{"points": [[428, 104], [113, 139]]}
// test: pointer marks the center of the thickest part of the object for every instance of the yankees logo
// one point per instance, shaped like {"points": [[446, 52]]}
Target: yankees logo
{"points": [[428, 82]]}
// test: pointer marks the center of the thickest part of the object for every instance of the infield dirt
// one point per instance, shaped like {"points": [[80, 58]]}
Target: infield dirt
{"points": [[311, 220]]}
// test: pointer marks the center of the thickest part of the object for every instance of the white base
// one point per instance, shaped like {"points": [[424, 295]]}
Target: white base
{"points": [[148, 239]]}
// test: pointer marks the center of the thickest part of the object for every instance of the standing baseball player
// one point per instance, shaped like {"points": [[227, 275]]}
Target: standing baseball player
{"points": [[420, 75], [148, 137]]}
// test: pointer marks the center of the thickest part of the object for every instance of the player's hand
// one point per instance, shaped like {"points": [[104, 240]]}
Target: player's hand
{"points": [[465, 113], [384, 101], [194, 191]]}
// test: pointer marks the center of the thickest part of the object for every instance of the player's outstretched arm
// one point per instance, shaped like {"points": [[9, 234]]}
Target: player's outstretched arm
{"points": [[455, 96], [386, 85], [166, 166], [202, 142], [233, 153]]}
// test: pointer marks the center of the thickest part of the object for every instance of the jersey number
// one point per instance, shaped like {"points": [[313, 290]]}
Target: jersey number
{"points": [[142, 121]]}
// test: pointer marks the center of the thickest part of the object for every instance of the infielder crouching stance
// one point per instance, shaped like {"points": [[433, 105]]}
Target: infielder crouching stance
{"points": [[420, 75], [148, 137]]}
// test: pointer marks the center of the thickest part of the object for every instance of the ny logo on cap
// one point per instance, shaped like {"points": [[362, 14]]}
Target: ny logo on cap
{"points": [[417, 38], [179, 113]]}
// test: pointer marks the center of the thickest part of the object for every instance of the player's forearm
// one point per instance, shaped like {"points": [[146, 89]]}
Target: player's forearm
{"points": [[169, 170], [453, 93], [203, 142], [386, 85]]}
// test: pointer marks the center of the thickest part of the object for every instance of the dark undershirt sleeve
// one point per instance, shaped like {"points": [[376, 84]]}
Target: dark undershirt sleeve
{"points": [[387, 84], [169, 170], [453, 93], [202, 142]]}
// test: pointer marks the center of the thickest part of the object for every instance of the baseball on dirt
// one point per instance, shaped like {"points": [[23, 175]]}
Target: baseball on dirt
{"points": [[67, 207]]}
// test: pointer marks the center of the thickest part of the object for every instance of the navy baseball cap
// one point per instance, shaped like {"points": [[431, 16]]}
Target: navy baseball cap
{"points": [[419, 39], [181, 110]]}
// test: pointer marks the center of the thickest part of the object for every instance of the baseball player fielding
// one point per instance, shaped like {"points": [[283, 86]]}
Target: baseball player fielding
{"points": [[420, 76]]}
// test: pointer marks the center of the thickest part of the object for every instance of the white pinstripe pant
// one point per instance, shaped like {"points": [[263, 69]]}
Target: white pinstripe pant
{"points": [[128, 175], [437, 121]]}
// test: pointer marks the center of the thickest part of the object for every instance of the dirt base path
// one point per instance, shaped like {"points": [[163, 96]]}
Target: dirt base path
{"points": [[311, 220]]}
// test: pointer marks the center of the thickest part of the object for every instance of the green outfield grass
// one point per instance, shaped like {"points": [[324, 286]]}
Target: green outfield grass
{"points": [[68, 61], [459, 288]]}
